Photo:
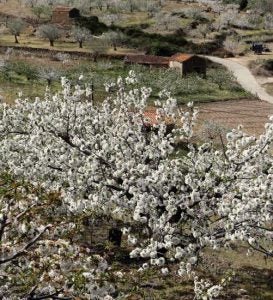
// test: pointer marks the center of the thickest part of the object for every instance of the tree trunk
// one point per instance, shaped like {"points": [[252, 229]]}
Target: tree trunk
{"points": [[51, 43], [16, 39], [95, 56], [114, 236], [80, 44], [115, 47], [92, 92]]}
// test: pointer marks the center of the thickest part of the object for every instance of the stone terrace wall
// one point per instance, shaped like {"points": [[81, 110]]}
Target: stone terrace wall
{"points": [[52, 52]]}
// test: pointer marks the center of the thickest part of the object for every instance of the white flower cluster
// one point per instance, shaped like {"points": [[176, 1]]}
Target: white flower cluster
{"points": [[36, 258], [106, 158], [204, 290]]}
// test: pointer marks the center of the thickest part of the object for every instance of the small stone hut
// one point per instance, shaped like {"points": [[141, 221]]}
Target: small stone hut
{"points": [[188, 63], [64, 15], [148, 60]]}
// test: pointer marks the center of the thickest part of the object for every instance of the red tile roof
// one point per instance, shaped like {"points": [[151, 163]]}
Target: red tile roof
{"points": [[147, 59], [181, 57], [150, 117]]}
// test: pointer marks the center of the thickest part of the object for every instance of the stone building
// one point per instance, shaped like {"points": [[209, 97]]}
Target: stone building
{"points": [[183, 63], [188, 63], [64, 15]]}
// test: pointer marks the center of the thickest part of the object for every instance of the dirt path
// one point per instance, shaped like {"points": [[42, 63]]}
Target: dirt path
{"points": [[244, 77]]}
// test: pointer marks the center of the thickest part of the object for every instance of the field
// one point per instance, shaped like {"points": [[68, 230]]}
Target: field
{"points": [[252, 114]]}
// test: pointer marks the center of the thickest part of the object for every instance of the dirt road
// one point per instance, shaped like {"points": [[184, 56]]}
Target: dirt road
{"points": [[244, 77]]}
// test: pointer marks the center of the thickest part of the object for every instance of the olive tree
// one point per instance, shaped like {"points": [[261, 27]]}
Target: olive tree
{"points": [[16, 26], [81, 35], [50, 32], [49, 74], [234, 46], [166, 21], [42, 10], [113, 38]]}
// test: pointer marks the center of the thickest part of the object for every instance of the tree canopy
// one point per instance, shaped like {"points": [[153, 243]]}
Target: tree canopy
{"points": [[113, 159]]}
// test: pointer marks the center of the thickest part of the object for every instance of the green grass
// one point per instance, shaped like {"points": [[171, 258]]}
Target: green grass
{"points": [[269, 88], [190, 88], [261, 35], [62, 45]]}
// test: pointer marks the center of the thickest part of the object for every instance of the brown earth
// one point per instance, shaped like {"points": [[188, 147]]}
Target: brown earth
{"points": [[252, 114]]}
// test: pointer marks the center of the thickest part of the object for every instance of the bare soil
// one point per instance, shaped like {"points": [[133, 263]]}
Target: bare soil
{"points": [[252, 114]]}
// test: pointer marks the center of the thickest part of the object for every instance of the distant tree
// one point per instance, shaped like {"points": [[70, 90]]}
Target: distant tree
{"points": [[99, 4], [110, 19], [268, 22], [252, 21], [220, 77], [167, 22], [234, 46], [203, 29], [110, 4], [49, 74], [24, 69], [152, 9], [42, 10], [62, 57], [243, 4], [50, 32], [227, 17], [131, 5], [30, 3], [262, 5], [16, 27], [113, 38], [80, 35], [193, 13]]}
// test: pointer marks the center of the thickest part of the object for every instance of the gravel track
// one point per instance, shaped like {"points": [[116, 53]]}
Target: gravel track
{"points": [[244, 77]]}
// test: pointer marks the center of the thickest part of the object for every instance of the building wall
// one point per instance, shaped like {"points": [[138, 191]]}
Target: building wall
{"points": [[194, 65], [177, 66], [61, 17]]}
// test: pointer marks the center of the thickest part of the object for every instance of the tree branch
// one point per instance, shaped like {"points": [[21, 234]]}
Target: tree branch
{"points": [[23, 250]]}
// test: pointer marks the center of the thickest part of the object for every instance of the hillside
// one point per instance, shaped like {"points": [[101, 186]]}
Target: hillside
{"points": [[136, 149]]}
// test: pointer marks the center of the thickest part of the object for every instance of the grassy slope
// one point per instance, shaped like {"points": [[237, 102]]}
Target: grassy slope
{"points": [[105, 70]]}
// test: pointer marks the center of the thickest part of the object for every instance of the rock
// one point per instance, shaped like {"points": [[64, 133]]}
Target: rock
{"points": [[242, 292]]}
